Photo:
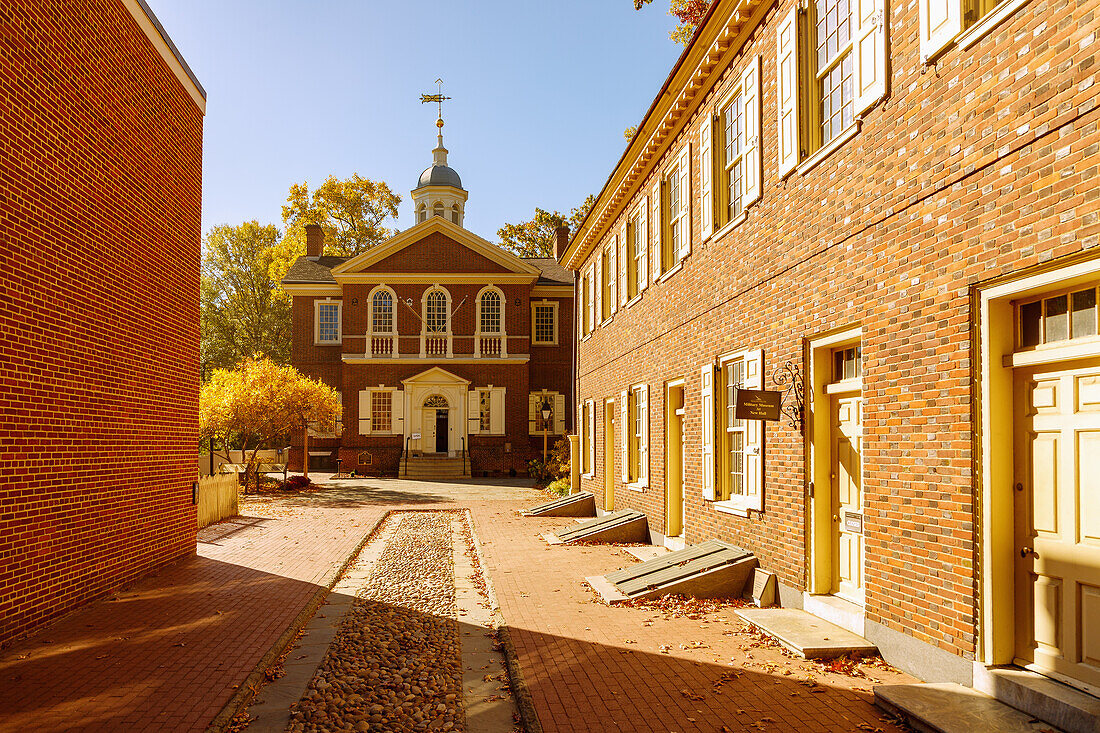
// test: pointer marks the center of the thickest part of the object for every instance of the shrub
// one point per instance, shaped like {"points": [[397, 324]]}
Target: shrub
{"points": [[559, 487], [295, 483], [556, 465]]}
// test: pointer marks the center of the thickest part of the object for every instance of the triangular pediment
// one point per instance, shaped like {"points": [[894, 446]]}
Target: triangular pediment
{"points": [[435, 375], [432, 242]]}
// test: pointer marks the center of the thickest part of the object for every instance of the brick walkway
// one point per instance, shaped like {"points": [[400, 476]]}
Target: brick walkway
{"points": [[591, 667]]}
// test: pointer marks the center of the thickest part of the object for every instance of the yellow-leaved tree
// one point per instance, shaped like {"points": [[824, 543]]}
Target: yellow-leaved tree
{"points": [[260, 403], [350, 211]]}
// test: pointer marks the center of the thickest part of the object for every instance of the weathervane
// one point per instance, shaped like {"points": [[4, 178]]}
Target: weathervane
{"points": [[437, 98]]}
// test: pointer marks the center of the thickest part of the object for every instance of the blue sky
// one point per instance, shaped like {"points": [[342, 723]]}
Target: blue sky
{"points": [[298, 90]]}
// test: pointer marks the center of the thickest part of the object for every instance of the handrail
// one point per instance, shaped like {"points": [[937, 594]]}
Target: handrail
{"points": [[406, 454], [464, 456]]}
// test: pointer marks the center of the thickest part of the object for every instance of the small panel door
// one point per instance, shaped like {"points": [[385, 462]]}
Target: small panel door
{"points": [[609, 457], [1057, 520], [847, 479], [674, 462], [441, 425]]}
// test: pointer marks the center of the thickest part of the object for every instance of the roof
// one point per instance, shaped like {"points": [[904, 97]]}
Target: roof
{"points": [[552, 271], [310, 270], [439, 175]]}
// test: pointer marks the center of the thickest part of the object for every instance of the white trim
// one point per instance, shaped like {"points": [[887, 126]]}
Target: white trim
{"points": [[840, 386], [544, 302], [671, 271], [317, 322], [312, 289], [826, 150], [987, 23], [360, 359], [1069, 350], [633, 300], [370, 312], [149, 24], [733, 506], [491, 278]]}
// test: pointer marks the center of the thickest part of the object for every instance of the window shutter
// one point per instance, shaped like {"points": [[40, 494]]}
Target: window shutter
{"points": [[496, 411], [612, 280], [643, 239], [786, 44], [397, 412], [754, 435], [655, 230], [559, 414], [706, 375], [685, 200], [364, 412], [599, 288], [473, 412], [750, 91], [643, 448], [582, 436], [591, 436], [624, 434], [591, 302], [870, 53], [532, 414], [940, 22], [623, 290], [706, 169]]}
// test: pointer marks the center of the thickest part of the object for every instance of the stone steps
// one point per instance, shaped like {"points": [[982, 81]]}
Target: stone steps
{"points": [[1041, 697]]}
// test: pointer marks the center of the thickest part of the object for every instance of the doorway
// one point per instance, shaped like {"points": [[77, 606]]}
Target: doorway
{"points": [[847, 495], [609, 456], [674, 460], [441, 430]]}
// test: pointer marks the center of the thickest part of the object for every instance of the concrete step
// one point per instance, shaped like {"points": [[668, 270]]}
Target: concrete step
{"points": [[1041, 697], [805, 634], [948, 707]]}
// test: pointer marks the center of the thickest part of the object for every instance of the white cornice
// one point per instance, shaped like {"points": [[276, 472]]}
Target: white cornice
{"points": [[484, 278], [312, 289], [156, 34]]}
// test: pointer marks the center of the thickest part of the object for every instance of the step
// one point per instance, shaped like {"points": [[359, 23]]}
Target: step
{"points": [[805, 634], [582, 504], [711, 569], [627, 525], [948, 707], [1041, 697]]}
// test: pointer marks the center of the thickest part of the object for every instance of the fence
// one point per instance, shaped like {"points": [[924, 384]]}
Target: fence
{"points": [[217, 498], [221, 457]]}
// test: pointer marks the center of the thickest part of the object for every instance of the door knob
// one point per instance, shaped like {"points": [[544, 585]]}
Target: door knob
{"points": [[1025, 551], [836, 518]]}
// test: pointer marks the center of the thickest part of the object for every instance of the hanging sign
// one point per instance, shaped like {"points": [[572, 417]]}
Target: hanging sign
{"points": [[757, 404]]}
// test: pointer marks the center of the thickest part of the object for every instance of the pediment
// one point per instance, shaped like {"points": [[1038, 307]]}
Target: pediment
{"points": [[435, 375]]}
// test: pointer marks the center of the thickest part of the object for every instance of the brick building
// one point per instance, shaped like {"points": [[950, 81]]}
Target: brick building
{"points": [[893, 209], [100, 198], [444, 347]]}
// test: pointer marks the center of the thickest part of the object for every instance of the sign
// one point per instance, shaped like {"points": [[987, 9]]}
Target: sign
{"points": [[853, 522], [757, 404], [416, 436]]}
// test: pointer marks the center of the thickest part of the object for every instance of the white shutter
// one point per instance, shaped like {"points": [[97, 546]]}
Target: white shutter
{"points": [[706, 169], [591, 437], [656, 230], [599, 288], [643, 447], [940, 22], [624, 291], [582, 435], [397, 412], [786, 44], [559, 414], [750, 94], [473, 412], [591, 302], [364, 412], [685, 201], [496, 411], [706, 423], [642, 238], [754, 435], [532, 414], [870, 53], [613, 280], [624, 434]]}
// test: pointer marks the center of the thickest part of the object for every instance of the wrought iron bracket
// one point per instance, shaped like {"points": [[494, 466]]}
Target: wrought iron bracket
{"points": [[788, 377]]}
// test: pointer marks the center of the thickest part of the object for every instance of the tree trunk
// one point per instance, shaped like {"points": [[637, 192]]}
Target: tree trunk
{"points": [[305, 452]]}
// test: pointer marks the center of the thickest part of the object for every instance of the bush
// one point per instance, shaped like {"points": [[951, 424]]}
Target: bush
{"points": [[559, 487], [295, 483], [556, 466]]}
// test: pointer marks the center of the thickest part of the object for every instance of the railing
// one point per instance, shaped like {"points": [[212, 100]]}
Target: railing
{"points": [[435, 344], [383, 346], [405, 455], [491, 346], [464, 456]]}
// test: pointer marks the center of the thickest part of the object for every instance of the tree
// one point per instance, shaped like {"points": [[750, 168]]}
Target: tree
{"points": [[260, 403], [351, 212], [630, 132], [243, 309], [535, 237], [690, 13]]}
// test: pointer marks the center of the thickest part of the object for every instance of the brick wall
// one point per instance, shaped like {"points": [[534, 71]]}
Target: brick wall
{"points": [[981, 165], [100, 168]]}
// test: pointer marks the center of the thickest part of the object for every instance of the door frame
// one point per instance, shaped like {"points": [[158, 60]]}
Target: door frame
{"points": [[674, 460], [609, 455], [993, 340]]}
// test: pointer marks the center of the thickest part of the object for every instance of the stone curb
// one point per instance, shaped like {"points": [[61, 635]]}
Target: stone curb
{"points": [[242, 698]]}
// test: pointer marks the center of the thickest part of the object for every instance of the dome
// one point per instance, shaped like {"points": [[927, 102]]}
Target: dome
{"points": [[439, 175]]}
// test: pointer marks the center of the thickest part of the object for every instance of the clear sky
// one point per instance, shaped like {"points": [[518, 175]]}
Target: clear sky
{"points": [[300, 90]]}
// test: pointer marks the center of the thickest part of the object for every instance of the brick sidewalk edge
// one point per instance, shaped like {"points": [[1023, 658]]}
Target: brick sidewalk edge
{"points": [[251, 685], [520, 691]]}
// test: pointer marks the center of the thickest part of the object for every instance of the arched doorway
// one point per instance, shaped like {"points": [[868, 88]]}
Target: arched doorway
{"points": [[437, 419]]}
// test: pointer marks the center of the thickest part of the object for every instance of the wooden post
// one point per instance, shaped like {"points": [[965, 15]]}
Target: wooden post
{"points": [[574, 464]]}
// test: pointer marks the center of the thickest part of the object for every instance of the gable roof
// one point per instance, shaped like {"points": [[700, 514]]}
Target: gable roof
{"points": [[552, 271], [308, 270]]}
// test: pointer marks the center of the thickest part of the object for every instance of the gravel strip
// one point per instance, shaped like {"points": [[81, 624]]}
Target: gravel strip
{"points": [[395, 663]]}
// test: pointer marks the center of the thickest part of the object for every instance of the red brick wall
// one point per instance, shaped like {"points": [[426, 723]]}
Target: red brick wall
{"points": [[982, 165], [100, 168], [444, 254]]}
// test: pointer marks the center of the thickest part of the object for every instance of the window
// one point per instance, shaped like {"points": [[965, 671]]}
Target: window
{"points": [[634, 411], [942, 22], [421, 213], [328, 322], [437, 210], [733, 160], [1057, 317], [553, 425], [545, 317], [436, 312], [331, 429], [381, 412], [733, 435], [485, 412], [674, 215], [842, 76], [731, 121], [637, 254], [381, 312], [846, 363], [588, 438], [587, 304], [456, 214], [732, 453], [490, 317], [673, 242]]}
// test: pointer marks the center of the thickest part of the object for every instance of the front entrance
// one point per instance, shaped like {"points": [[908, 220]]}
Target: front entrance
{"points": [[435, 417], [609, 456], [441, 430], [847, 493], [674, 461], [1057, 519]]}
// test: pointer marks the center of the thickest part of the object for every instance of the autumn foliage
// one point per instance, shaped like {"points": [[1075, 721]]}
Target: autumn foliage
{"points": [[690, 13]]}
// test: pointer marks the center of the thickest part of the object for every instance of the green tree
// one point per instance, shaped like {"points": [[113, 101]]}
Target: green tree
{"points": [[690, 13], [243, 310], [351, 212], [535, 237]]}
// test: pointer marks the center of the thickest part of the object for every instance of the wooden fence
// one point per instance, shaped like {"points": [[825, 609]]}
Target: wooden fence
{"points": [[217, 498]]}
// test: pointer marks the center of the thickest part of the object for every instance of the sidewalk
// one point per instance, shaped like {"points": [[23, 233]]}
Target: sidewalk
{"points": [[590, 667], [167, 653]]}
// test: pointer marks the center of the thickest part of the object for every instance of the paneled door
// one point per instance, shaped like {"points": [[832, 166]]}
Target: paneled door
{"points": [[1057, 520], [847, 478]]}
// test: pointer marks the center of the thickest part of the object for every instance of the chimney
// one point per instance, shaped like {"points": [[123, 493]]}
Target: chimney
{"points": [[561, 241], [315, 240]]}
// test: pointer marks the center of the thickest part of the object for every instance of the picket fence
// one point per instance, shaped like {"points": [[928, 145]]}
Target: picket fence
{"points": [[217, 498]]}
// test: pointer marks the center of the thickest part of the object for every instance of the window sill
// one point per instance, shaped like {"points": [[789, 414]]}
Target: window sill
{"points": [[544, 343], [607, 320], [728, 226], [844, 385], [328, 343], [732, 506], [671, 271], [812, 162], [632, 301], [637, 486], [589, 475], [1051, 354], [976, 32]]}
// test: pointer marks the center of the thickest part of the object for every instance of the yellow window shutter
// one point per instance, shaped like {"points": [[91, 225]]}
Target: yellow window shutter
{"points": [[750, 94], [591, 436], [871, 57], [591, 301], [940, 22], [612, 280], [642, 237], [706, 376], [496, 411], [599, 289], [754, 434], [397, 412], [473, 412], [643, 447], [364, 412], [559, 414], [706, 169], [532, 413], [685, 200], [786, 44], [655, 230], [624, 434]]}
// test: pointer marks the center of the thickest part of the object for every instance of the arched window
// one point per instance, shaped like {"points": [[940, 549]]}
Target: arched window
{"points": [[490, 312], [438, 209], [381, 312], [421, 213], [455, 214], [435, 312]]}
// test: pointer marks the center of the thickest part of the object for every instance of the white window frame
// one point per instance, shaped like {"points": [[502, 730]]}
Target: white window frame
{"points": [[943, 25], [544, 303], [637, 248], [586, 428], [752, 442], [636, 431], [496, 410], [366, 411], [393, 304], [714, 194], [673, 252], [317, 341]]}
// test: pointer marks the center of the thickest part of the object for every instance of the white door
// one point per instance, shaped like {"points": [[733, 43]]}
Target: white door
{"points": [[847, 479], [1057, 520]]}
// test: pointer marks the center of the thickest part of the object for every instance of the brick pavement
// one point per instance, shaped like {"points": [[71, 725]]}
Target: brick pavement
{"points": [[591, 667]]}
